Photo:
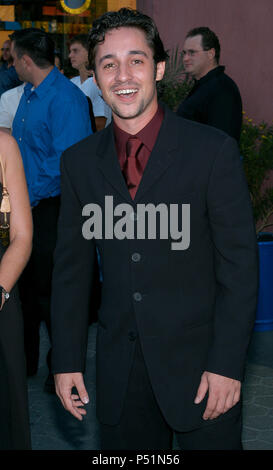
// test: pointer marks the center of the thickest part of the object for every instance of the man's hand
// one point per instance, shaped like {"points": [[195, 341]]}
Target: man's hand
{"points": [[224, 393], [72, 403]]}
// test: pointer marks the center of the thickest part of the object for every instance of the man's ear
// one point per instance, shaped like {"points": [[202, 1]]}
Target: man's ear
{"points": [[160, 70], [211, 53], [27, 61]]}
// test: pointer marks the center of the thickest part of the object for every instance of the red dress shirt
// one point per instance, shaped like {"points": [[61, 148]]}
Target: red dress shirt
{"points": [[147, 135]]}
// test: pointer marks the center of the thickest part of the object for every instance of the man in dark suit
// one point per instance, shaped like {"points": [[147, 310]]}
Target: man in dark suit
{"points": [[215, 98], [172, 220]]}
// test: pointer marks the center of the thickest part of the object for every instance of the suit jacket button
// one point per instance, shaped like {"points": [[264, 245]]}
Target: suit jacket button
{"points": [[132, 336], [137, 296], [136, 257]]}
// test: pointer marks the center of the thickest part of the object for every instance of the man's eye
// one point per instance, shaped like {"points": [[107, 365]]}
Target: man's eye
{"points": [[137, 61], [109, 66]]}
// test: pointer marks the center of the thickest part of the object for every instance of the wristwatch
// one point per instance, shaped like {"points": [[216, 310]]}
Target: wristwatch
{"points": [[4, 292]]}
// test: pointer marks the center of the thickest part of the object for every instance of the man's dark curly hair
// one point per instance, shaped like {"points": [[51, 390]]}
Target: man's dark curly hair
{"points": [[125, 17]]}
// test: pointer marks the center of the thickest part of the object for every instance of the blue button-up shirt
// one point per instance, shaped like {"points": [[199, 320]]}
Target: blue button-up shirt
{"points": [[49, 119]]}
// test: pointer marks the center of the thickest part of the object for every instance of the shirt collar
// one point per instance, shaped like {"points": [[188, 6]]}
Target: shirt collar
{"points": [[147, 135], [212, 73], [44, 86]]}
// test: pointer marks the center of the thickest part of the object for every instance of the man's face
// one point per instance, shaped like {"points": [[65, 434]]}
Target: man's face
{"points": [[19, 64], [197, 62], [57, 63], [6, 55], [126, 75], [78, 56]]}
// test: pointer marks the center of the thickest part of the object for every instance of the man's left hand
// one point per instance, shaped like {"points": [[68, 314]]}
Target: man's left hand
{"points": [[224, 393]]}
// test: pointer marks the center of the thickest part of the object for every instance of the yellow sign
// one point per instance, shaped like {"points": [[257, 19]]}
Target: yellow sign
{"points": [[75, 7], [114, 5], [7, 13]]}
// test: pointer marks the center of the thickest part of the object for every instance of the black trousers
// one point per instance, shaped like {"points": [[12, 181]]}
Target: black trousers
{"points": [[143, 427], [5, 412], [35, 282]]}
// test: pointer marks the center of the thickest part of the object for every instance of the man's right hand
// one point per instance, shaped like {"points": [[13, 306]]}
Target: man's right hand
{"points": [[72, 403]]}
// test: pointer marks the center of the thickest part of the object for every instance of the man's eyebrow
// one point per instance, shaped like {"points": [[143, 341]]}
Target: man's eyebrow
{"points": [[107, 56], [133, 52], [138, 52]]}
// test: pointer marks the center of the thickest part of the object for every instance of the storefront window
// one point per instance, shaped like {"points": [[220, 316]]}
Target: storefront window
{"points": [[61, 18]]}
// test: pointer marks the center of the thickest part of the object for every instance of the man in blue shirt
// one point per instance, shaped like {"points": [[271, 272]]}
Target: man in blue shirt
{"points": [[52, 115]]}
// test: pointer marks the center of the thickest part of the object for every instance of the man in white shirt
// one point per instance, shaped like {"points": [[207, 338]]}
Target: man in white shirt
{"points": [[9, 102], [79, 57]]}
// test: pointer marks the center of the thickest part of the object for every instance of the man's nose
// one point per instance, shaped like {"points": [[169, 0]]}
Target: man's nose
{"points": [[124, 72], [186, 56]]}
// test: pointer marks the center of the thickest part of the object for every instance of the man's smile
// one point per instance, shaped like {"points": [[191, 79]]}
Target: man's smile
{"points": [[126, 91]]}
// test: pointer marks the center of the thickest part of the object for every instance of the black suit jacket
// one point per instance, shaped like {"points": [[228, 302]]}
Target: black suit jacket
{"points": [[196, 307]]}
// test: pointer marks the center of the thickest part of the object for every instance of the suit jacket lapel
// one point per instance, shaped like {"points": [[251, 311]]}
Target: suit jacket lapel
{"points": [[109, 164], [161, 157], [163, 153]]}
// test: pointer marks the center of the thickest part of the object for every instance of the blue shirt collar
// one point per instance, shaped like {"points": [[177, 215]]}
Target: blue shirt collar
{"points": [[42, 89]]}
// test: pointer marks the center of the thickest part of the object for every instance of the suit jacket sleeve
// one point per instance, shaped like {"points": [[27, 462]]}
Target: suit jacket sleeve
{"points": [[235, 261], [74, 266]]}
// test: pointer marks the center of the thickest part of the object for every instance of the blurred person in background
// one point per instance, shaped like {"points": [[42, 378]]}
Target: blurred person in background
{"points": [[79, 58], [6, 58], [10, 100], [8, 75], [52, 115], [9, 103], [58, 62], [215, 98]]}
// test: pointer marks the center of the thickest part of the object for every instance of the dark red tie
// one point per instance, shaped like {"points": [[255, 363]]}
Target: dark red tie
{"points": [[132, 169]]}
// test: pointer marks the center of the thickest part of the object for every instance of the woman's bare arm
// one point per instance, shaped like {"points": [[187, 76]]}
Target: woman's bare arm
{"points": [[17, 254]]}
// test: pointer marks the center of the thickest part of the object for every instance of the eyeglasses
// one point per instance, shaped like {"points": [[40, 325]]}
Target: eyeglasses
{"points": [[5, 49], [192, 52]]}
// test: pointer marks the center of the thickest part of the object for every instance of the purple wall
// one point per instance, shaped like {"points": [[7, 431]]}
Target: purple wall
{"points": [[245, 31]]}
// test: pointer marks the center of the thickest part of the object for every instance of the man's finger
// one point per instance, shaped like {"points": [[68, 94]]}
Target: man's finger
{"points": [[232, 400], [237, 396], [79, 384], [215, 409], [64, 385], [75, 397], [77, 404], [202, 389], [76, 412], [211, 407]]}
